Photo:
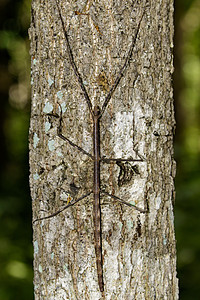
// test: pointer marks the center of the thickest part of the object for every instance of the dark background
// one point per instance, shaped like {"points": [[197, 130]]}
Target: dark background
{"points": [[16, 273]]}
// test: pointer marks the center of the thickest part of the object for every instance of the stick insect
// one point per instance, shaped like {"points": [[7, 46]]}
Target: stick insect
{"points": [[96, 114]]}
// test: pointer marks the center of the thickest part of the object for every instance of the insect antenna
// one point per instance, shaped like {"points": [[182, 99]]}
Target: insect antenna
{"points": [[73, 64], [121, 72]]}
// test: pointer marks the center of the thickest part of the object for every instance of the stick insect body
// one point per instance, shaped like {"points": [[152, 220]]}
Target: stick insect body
{"points": [[96, 114]]}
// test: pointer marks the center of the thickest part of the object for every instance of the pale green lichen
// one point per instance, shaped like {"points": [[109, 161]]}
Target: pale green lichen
{"points": [[40, 268], [36, 176], [51, 145], [120, 225], [35, 140], [59, 153], [60, 94], [65, 267], [63, 106], [34, 61], [48, 108], [130, 225], [164, 240], [36, 248], [47, 126], [50, 81], [132, 203]]}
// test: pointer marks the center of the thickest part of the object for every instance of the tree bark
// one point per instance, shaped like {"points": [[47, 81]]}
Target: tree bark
{"points": [[139, 249]]}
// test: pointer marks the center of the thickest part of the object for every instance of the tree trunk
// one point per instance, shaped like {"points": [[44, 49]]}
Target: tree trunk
{"points": [[139, 255]]}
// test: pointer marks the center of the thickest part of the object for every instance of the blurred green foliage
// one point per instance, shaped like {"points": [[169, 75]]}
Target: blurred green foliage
{"points": [[187, 146], [16, 273]]}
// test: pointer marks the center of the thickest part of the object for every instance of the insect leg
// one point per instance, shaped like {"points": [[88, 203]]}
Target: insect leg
{"points": [[124, 202], [108, 160], [59, 133], [64, 208]]}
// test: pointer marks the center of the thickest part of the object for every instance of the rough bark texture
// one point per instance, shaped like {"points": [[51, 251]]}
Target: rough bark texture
{"points": [[138, 249]]}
